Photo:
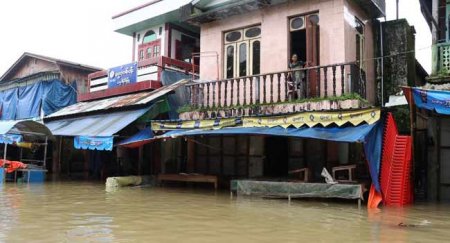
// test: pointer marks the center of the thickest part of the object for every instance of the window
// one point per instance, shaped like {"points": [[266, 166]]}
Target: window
{"points": [[141, 55], [359, 28], [242, 59], [242, 52], [149, 52], [229, 62], [256, 57], [156, 51], [149, 37]]}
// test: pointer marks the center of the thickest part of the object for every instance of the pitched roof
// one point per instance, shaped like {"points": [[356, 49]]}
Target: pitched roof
{"points": [[48, 59]]}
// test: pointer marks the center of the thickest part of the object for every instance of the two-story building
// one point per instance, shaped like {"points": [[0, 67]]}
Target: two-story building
{"points": [[285, 87], [119, 101]]}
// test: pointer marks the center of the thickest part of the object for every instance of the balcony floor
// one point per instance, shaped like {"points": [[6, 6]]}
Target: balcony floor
{"points": [[272, 109]]}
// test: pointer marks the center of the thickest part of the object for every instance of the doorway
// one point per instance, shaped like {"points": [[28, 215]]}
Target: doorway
{"points": [[298, 44], [276, 162], [304, 41]]}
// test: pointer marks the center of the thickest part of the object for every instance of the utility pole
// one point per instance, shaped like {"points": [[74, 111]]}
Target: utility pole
{"points": [[396, 8]]}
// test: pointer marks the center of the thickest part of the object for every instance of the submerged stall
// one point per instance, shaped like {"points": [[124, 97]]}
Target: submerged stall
{"points": [[31, 140], [362, 127]]}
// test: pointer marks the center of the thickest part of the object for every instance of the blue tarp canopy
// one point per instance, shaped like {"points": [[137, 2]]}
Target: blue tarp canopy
{"points": [[138, 139], [11, 138], [369, 135], [435, 100]]}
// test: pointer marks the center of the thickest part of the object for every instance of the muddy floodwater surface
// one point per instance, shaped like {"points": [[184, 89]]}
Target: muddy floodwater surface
{"points": [[80, 212]]}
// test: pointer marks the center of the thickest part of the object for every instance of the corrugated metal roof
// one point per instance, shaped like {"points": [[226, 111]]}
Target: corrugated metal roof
{"points": [[118, 102], [95, 125]]}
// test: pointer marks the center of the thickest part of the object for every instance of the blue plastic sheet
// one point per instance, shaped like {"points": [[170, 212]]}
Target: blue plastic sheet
{"points": [[337, 134], [11, 138], [94, 143], [435, 100], [372, 149], [369, 135], [10, 98], [26, 102], [138, 139]]}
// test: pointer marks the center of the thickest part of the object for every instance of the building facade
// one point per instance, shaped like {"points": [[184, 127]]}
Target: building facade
{"points": [[430, 121]]}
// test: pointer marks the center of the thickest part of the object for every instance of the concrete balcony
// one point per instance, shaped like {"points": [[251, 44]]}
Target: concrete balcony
{"points": [[440, 71], [338, 86]]}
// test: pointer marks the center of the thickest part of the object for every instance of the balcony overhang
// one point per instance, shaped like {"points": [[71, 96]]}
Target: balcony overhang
{"points": [[374, 8], [197, 16], [151, 14]]}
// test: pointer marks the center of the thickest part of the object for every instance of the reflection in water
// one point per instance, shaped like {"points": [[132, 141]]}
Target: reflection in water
{"points": [[69, 212]]}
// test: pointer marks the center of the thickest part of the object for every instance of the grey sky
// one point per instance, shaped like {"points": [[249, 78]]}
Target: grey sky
{"points": [[82, 31]]}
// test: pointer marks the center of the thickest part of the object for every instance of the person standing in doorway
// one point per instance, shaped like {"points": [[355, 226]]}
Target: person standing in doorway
{"points": [[296, 78]]}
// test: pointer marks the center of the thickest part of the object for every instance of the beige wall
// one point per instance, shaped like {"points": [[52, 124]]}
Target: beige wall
{"points": [[337, 36]]}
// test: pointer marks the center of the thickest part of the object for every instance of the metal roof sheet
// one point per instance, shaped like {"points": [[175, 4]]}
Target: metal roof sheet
{"points": [[130, 100], [95, 125]]}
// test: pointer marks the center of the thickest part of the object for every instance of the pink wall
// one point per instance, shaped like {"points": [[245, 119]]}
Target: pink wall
{"points": [[275, 32], [351, 10], [337, 40]]}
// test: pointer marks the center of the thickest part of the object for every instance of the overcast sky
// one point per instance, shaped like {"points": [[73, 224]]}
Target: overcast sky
{"points": [[82, 30]]}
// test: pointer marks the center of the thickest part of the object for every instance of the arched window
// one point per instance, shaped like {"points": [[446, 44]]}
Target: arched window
{"points": [[149, 37]]}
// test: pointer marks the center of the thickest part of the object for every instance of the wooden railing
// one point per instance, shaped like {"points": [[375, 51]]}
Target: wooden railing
{"points": [[314, 82]]}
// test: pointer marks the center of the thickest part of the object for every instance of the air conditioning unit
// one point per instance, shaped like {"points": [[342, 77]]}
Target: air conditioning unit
{"points": [[297, 23]]}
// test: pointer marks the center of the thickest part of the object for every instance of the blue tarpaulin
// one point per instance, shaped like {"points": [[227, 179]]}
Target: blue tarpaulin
{"points": [[27, 101], [94, 143], [369, 135], [138, 139], [11, 138], [435, 100]]}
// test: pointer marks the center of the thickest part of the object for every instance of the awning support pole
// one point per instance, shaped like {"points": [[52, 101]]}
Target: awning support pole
{"points": [[45, 152], [4, 153]]}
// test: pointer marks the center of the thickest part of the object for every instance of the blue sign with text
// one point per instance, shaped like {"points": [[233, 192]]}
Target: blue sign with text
{"points": [[438, 100], [122, 75]]}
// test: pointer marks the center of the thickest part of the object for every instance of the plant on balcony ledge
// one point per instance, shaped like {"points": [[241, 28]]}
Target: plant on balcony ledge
{"points": [[351, 96]]}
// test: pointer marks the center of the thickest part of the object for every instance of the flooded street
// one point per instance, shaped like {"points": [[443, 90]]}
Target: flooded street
{"points": [[71, 212]]}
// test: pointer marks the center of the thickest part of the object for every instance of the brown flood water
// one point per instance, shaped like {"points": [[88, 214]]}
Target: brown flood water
{"points": [[80, 212]]}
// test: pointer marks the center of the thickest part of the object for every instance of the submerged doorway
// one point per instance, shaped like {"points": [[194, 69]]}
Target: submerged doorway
{"points": [[276, 162]]}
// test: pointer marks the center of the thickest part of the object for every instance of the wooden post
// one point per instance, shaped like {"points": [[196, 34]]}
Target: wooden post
{"points": [[190, 156], [56, 154], [86, 164], [141, 159]]}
